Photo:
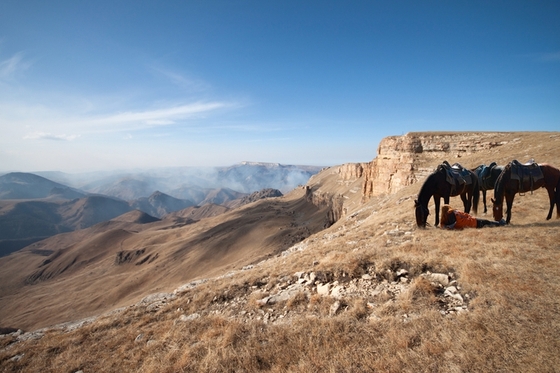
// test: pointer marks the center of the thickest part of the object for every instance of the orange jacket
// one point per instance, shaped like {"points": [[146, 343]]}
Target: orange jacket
{"points": [[463, 220]]}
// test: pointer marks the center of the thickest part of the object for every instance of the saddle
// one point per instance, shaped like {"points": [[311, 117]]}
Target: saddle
{"points": [[484, 174], [456, 175], [529, 172]]}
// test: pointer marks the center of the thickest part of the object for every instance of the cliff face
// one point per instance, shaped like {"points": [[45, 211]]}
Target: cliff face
{"points": [[405, 160]]}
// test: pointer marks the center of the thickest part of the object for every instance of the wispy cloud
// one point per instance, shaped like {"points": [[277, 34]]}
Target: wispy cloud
{"points": [[162, 117], [54, 125], [11, 66], [50, 136], [550, 57], [182, 80]]}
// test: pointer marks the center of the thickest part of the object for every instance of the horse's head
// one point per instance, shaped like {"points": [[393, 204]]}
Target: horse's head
{"points": [[497, 209], [422, 213]]}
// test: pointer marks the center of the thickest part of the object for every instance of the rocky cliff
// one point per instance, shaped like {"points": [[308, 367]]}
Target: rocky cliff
{"points": [[405, 160]]}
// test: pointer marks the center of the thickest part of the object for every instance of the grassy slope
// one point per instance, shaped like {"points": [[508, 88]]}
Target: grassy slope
{"points": [[80, 277], [510, 273]]}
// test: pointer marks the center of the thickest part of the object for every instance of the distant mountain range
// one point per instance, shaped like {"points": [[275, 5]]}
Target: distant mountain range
{"points": [[33, 207], [21, 185], [190, 183]]}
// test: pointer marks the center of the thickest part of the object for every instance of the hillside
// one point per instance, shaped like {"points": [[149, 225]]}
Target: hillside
{"points": [[160, 204], [21, 185], [72, 267], [370, 292], [33, 207], [23, 222]]}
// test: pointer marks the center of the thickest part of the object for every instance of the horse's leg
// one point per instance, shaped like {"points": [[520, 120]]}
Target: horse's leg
{"points": [[484, 199], [509, 203], [436, 201], [552, 197], [466, 198]]}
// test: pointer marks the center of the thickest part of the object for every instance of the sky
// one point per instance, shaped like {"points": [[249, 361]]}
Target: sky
{"points": [[107, 85]]}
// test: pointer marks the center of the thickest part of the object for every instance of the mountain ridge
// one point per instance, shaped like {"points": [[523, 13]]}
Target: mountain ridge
{"points": [[356, 294], [67, 208]]}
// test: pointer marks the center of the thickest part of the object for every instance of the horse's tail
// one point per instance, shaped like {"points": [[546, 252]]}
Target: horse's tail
{"points": [[476, 193]]}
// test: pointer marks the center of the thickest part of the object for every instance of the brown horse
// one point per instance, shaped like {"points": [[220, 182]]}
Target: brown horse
{"points": [[436, 185], [506, 187]]}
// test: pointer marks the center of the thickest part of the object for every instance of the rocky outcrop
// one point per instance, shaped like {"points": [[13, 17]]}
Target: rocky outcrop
{"points": [[333, 203], [261, 194], [405, 160], [351, 171]]}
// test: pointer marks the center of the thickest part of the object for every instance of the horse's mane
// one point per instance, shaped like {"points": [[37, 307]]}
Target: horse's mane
{"points": [[426, 191]]}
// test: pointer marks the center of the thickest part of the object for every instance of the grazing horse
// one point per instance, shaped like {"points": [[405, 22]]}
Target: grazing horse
{"points": [[487, 176], [507, 186], [438, 186]]}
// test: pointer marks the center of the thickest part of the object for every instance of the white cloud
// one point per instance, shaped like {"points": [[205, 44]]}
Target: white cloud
{"points": [[183, 81], [10, 67], [164, 116], [50, 124], [160, 122], [49, 136]]}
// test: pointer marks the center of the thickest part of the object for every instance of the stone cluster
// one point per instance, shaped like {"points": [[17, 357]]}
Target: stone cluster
{"points": [[377, 290]]}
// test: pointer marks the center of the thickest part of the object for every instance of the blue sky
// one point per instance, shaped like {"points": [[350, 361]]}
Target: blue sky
{"points": [[103, 85]]}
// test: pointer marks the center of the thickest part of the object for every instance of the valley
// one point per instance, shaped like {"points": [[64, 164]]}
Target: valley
{"points": [[335, 268]]}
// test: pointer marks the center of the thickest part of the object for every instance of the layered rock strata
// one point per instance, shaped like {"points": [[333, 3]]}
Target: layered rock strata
{"points": [[405, 160]]}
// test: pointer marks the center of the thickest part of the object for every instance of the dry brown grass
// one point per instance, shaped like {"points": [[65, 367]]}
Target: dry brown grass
{"points": [[510, 274], [512, 324]]}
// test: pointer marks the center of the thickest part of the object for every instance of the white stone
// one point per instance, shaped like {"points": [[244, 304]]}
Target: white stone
{"points": [[440, 278], [337, 291], [323, 289], [402, 272], [190, 317], [451, 289]]}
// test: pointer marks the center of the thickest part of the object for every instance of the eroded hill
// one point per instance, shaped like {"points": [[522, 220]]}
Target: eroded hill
{"points": [[367, 293]]}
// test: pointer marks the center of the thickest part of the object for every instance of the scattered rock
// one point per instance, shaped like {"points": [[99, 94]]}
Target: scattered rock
{"points": [[185, 318], [337, 291], [334, 308], [439, 278], [402, 272], [184, 288]]}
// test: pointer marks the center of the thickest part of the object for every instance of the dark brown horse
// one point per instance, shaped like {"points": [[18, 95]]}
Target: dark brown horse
{"points": [[487, 176], [437, 186], [506, 187]]}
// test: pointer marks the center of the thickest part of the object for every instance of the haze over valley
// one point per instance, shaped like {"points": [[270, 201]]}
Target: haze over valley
{"points": [[33, 207]]}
